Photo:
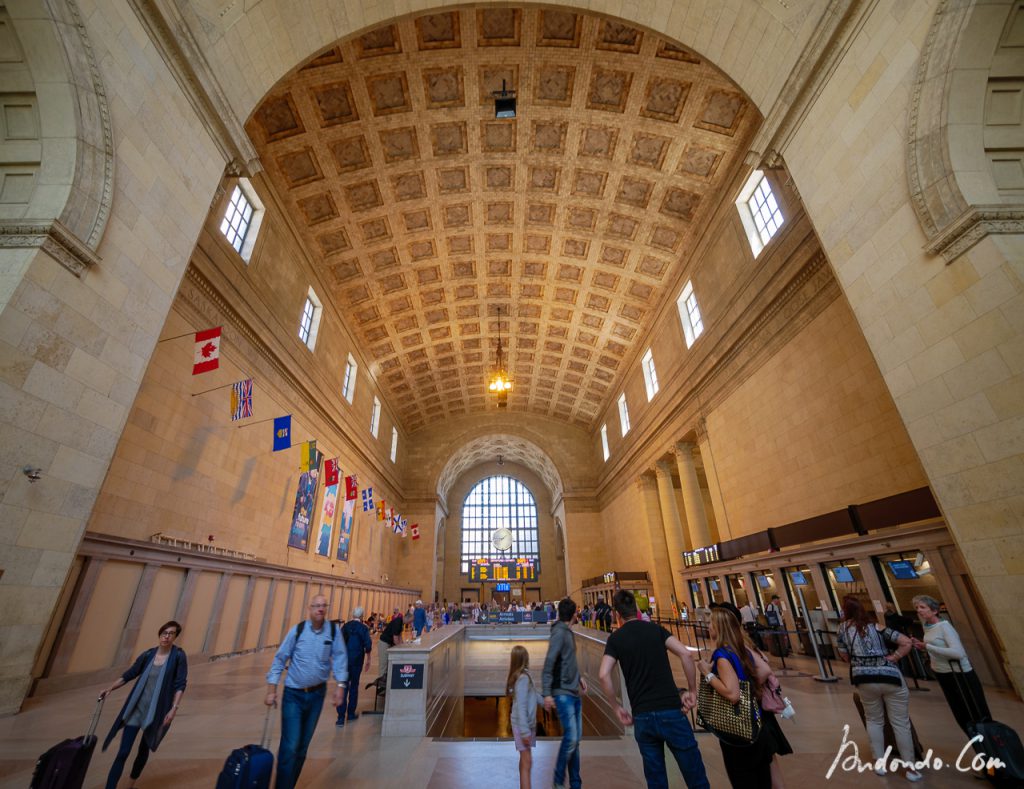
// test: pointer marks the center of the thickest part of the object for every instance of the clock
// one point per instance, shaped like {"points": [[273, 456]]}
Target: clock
{"points": [[501, 539]]}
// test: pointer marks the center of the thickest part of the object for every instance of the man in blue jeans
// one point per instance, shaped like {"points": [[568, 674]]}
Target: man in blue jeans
{"points": [[659, 710], [313, 649], [562, 687]]}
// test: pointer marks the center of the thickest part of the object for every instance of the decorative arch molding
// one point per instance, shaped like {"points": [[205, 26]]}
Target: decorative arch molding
{"points": [[67, 211], [511, 448], [953, 189]]}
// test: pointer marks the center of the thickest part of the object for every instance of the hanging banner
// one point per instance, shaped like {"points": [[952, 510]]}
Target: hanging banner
{"points": [[323, 543], [305, 498], [345, 532]]}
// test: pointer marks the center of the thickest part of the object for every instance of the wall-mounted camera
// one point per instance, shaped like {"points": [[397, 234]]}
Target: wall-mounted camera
{"points": [[33, 474]]}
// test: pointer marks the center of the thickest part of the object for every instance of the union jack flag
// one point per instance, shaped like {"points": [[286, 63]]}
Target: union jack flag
{"points": [[241, 399], [368, 500]]}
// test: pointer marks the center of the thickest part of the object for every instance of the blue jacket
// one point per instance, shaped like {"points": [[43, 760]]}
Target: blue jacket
{"points": [[357, 643], [419, 619]]}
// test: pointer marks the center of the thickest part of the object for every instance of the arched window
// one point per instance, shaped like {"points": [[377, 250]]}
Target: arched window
{"points": [[493, 503]]}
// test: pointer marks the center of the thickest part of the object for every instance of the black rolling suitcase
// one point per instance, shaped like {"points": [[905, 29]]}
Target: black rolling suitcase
{"points": [[251, 766], [998, 741], [65, 764]]}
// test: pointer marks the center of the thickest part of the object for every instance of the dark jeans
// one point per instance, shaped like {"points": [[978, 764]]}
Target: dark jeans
{"points": [[965, 710], [350, 698], [299, 715], [653, 731], [570, 715], [127, 741]]}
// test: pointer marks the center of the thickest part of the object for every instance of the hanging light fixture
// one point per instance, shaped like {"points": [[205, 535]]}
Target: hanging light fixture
{"points": [[500, 384]]}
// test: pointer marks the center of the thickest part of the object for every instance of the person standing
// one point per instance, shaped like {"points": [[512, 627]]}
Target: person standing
{"points": [[658, 709], [562, 693], [966, 699], [878, 679], [358, 646], [312, 650], [162, 673], [523, 716], [419, 619], [389, 637]]}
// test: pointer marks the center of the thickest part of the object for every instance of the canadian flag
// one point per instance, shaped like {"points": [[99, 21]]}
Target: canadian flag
{"points": [[207, 352], [414, 530]]}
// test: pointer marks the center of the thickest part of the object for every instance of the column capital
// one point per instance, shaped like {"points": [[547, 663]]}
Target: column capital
{"points": [[663, 468], [646, 481], [701, 429], [683, 449]]}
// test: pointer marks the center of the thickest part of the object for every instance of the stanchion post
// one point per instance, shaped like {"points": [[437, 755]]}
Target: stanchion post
{"points": [[822, 676]]}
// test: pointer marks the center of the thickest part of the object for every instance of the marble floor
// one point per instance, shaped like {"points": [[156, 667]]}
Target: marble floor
{"points": [[222, 709]]}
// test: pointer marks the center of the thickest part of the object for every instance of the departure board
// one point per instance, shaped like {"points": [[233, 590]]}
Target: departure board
{"points": [[506, 570]]}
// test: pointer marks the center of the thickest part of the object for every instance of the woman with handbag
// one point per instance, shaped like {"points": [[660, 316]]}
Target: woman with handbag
{"points": [[874, 671], [731, 675]]}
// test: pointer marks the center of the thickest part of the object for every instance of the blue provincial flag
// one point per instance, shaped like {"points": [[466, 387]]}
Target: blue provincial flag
{"points": [[368, 500], [282, 432]]}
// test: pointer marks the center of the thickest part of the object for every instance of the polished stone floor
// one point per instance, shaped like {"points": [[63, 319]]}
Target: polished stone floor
{"points": [[222, 710]]}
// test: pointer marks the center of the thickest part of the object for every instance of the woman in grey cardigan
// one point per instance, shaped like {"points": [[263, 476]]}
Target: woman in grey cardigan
{"points": [[525, 700]]}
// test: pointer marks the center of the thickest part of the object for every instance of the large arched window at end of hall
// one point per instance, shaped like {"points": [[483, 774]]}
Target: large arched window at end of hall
{"points": [[494, 503]]}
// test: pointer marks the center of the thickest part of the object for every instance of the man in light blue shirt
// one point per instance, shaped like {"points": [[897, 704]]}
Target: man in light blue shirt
{"points": [[313, 649]]}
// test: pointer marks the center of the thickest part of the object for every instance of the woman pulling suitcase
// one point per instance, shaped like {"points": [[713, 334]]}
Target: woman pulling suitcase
{"points": [[162, 673]]}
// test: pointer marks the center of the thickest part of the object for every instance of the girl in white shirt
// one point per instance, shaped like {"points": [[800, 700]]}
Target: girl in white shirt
{"points": [[965, 696]]}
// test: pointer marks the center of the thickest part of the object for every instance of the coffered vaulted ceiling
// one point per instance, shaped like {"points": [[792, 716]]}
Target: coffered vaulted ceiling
{"points": [[427, 214]]}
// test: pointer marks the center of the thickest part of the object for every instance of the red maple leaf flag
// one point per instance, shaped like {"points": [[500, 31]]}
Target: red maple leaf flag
{"points": [[207, 352]]}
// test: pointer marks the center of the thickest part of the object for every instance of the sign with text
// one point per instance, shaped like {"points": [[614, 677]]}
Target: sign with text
{"points": [[701, 556], [504, 570], [407, 676], [509, 617]]}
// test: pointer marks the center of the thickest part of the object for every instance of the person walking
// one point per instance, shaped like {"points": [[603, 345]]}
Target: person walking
{"points": [[658, 709], [390, 636], [162, 674], [419, 619], [525, 700], [878, 679], [358, 647], [562, 693], [312, 650], [964, 695]]}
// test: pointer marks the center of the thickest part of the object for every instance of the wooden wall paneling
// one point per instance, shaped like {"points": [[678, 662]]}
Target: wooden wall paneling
{"points": [[76, 615], [188, 591], [140, 602], [163, 603], [230, 614], [105, 617], [268, 610], [213, 624], [285, 623]]}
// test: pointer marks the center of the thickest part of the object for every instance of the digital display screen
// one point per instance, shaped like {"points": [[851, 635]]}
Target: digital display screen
{"points": [[763, 582], [904, 571], [507, 570], [502, 587], [798, 578], [714, 585], [842, 575]]}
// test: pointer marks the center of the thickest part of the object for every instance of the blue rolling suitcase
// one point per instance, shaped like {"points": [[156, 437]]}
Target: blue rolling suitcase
{"points": [[251, 766], [65, 764], [998, 740]]}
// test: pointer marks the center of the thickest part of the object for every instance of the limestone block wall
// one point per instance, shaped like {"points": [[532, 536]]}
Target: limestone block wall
{"points": [[947, 337], [811, 431]]}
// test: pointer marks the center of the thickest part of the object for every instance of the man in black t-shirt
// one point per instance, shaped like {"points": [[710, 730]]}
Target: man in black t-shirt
{"points": [[389, 637], [659, 710]]}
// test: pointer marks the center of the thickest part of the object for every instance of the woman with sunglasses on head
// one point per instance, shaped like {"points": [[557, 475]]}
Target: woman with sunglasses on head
{"points": [[162, 673]]}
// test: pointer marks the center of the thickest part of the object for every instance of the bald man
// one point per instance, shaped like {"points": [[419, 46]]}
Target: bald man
{"points": [[312, 650]]}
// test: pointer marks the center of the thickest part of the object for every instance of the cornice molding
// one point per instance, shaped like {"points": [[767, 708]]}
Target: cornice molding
{"points": [[832, 37], [181, 52], [974, 224], [53, 238]]}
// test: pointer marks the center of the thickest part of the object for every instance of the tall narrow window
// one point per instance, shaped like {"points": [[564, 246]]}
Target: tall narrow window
{"points": [[623, 414], [309, 323], [650, 374], [689, 314], [394, 444], [604, 441], [242, 218], [348, 385], [493, 503], [375, 417], [759, 211]]}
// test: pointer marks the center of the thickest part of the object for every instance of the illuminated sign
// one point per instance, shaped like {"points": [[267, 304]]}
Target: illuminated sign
{"points": [[701, 556], [503, 586], [504, 570]]}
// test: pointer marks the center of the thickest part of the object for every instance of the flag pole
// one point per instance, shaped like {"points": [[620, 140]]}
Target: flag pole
{"points": [[250, 424], [216, 388], [177, 337]]}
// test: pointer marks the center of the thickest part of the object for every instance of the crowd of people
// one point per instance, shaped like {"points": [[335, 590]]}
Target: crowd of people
{"points": [[316, 651]]}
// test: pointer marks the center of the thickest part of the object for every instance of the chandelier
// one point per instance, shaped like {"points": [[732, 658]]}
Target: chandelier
{"points": [[500, 384]]}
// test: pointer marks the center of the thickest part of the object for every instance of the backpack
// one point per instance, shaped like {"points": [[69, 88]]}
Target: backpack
{"points": [[298, 632]]}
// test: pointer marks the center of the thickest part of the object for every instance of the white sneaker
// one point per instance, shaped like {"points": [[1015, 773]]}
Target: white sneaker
{"points": [[913, 776]]}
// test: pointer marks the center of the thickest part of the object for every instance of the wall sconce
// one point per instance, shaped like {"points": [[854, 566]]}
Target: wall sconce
{"points": [[33, 474], [504, 102]]}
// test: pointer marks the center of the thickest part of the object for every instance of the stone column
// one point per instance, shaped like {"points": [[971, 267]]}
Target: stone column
{"points": [[675, 537], [693, 501], [714, 488], [661, 569]]}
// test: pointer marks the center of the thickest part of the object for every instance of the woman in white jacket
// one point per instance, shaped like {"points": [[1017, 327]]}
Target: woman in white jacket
{"points": [[525, 700], [965, 696]]}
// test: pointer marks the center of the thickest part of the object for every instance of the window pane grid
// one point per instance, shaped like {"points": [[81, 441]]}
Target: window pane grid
{"points": [[765, 211], [494, 503], [306, 323], [237, 217]]}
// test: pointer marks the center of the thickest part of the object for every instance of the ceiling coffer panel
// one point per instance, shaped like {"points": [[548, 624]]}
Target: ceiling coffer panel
{"points": [[430, 216]]}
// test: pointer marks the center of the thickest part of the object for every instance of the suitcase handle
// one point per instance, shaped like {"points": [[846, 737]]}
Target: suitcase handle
{"points": [[95, 718], [265, 739]]}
